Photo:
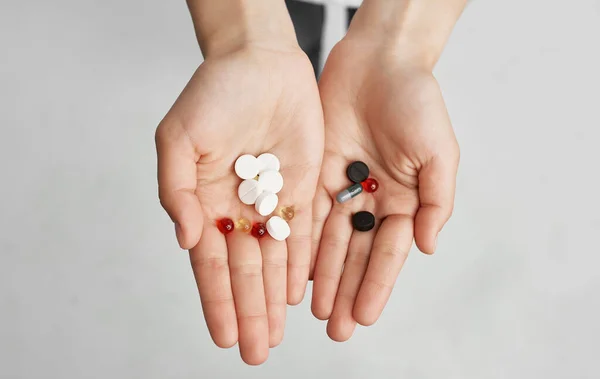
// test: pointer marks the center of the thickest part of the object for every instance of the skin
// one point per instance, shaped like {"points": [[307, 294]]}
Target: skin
{"points": [[249, 98], [382, 106], [255, 92]]}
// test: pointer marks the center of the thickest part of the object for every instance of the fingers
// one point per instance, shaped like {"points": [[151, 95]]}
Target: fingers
{"points": [[330, 260], [389, 252], [177, 183], [298, 246], [321, 207], [341, 324], [210, 265], [245, 265], [437, 183], [274, 255]]}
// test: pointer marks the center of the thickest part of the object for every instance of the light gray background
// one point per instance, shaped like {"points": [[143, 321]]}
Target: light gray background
{"points": [[92, 284]]}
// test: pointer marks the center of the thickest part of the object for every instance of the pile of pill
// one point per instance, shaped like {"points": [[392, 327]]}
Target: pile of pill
{"points": [[261, 183], [358, 173]]}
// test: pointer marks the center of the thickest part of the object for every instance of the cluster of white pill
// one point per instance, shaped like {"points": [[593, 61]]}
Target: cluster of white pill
{"points": [[261, 183]]}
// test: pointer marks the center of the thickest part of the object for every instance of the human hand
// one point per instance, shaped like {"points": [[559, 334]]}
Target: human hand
{"points": [[385, 109], [257, 97]]}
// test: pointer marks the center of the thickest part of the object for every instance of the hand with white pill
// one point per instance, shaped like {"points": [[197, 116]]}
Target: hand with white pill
{"points": [[255, 94], [383, 107]]}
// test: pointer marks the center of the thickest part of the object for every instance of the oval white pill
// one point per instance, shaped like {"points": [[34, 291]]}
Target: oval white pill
{"points": [[246, 166], [271, 181], [268, 162], [266, 203], [248, 191], [278, 228]]}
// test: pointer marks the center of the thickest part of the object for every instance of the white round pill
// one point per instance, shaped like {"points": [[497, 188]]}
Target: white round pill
{"points": [[278, 228], [268, 162], [246, 166], [266, 203], [248, 191], [271, 181]]}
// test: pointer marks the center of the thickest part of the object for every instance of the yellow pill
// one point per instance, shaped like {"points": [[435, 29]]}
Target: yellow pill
{"points": [[243, 225], [287, 213]]}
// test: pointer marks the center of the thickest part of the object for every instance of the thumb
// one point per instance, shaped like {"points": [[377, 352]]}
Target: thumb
{"points": [[177, 182], [437, 183]]}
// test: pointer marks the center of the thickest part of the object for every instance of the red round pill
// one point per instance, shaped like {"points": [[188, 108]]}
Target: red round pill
{"points": [[258, 230], [370, 185], [225, 225]]}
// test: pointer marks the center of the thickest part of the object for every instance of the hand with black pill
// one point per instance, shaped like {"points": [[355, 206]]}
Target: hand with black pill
{"points": [[383, 107], [254, 93]]}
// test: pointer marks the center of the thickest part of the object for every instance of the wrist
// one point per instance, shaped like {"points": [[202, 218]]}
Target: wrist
{"points": [[227, 25], [413, 32]]}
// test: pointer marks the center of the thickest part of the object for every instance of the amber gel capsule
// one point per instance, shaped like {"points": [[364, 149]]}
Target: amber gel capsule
{"points": [[350, 192], [243, 224], [287, 213]]}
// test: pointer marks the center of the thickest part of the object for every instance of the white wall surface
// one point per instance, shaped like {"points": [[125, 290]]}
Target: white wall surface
{"points": [[92, 284]]}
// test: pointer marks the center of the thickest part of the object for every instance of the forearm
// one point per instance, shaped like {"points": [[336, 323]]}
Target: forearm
{"points": [[414, 29], [227, 25]]}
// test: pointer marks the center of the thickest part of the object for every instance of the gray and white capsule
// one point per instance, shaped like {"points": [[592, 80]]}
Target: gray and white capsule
{"points": [[350, 192]]}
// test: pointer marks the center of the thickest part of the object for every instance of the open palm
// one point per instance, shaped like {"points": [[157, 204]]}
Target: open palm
{"points": [[247, 102], [393, 118]]}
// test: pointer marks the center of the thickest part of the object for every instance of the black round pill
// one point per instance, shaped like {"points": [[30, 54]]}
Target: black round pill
{"points": [[357, 172], [363, 221]]}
